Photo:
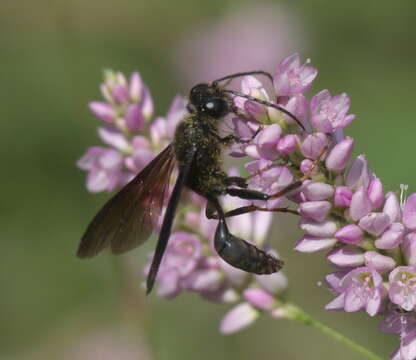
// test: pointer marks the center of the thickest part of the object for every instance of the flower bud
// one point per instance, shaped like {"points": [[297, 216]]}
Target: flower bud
{"points": [[314, 190], [346, 256], [259, 298], [134, 117], [409, 212], [311, 244], [315, 210], [238, 318], [306, 167], [325, 229], [378, 262], [350, 234], [273, 283], [409, 248], [342, 196], [120, 94], [204, 280], [360, 205], [392, 207], [287, 144], [114, 138], [103, 111], [136, 87], [375, 223], [267, 141], [391, 238], [340, 154], [359, 174], [313, 146], [376, 193]]}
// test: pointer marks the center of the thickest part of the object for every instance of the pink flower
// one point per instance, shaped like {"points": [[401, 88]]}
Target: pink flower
{"points": [[183, 255], [250, 85], [409, 212], [292, 78], [361, 288], [104, 168], [330, 113], [259, 298], [103, 111], [407, 348], [402, 290], [297, 105], [238, 318], [270, 179]]}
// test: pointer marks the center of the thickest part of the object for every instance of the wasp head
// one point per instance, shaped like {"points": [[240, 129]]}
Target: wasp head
{"points": [[210, 100]]}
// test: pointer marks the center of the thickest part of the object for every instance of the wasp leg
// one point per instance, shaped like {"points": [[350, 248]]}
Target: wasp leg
{"points": [[250, 208], [238, 252], [247, 194], [236, 180], [287, 190]]}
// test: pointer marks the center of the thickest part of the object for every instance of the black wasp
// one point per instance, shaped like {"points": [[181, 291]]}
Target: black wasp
{"points": [[130, 216]]}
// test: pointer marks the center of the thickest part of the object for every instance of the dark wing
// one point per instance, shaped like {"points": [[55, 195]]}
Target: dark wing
{"points": [[130, 216], [169, 217]]}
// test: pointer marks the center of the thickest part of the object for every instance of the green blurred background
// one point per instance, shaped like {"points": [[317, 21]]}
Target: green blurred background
{"points": [[54, 306]]}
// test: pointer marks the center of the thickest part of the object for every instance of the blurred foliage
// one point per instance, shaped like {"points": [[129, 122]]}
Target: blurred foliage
{"points": [[52, 55]]}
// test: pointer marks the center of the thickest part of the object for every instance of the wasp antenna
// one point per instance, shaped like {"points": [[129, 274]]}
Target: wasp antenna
{"points": [[240, 74], [267, 103]]}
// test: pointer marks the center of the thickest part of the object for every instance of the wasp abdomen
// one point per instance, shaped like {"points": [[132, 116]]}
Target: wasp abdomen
{"points": [[243, 255]]}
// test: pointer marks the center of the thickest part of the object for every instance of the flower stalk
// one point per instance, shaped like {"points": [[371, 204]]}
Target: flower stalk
{"points": [[295, 313]]}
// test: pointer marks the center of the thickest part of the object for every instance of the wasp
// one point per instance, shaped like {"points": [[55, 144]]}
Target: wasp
{"points": [[131, 215]]}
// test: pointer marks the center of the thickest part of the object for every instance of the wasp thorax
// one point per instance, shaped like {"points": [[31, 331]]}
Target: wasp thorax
{"points": [[209, 100]]}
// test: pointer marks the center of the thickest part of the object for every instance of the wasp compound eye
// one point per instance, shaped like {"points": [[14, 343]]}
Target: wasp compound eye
{"points": [[216, 108], [198, 94]]}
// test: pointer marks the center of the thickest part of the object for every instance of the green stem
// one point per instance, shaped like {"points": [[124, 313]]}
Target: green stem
{"points": [[295, 313]]}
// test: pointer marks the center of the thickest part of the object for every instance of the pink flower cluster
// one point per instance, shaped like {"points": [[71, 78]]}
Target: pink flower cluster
{"points": [[369, 234], [132, 140]]}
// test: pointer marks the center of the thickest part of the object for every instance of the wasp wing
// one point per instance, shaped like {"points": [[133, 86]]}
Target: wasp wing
{"points": [[130, 216], [169, 217]]}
